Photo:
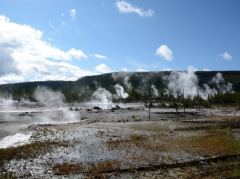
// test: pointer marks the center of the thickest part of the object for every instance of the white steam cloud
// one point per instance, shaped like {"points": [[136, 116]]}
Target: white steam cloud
{"points": [[55, 101], [154, 90], [183, 81], [121, 94], [101, 95], [187, 84], [48, 97], [219, 81]]}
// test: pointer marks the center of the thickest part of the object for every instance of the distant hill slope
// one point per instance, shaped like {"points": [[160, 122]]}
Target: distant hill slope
{"points": [[136, 84]]}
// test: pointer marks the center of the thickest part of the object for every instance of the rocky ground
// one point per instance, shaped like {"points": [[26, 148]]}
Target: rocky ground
{"points": [[125, 143]]}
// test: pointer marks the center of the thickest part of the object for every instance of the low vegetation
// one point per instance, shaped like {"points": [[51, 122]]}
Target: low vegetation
{"points": [[217, 142], [92, 170]]}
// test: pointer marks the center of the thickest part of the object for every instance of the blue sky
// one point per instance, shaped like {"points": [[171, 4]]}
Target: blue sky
{"points": [[126, 35]]}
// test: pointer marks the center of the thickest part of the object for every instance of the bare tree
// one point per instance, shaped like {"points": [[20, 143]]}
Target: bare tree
{"points": [[183, 98], [198, 101], [150, 105]]}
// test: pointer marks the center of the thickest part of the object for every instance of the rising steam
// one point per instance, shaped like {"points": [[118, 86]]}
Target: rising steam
{"points": [[154, 90], [120, 92], [101, 95], [59, 112], [186, 83], [48, 97]]}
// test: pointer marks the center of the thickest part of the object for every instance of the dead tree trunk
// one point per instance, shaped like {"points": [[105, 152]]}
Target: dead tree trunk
{"points": [[149, 109], [183, 99], [198, 101], [177, 111]]}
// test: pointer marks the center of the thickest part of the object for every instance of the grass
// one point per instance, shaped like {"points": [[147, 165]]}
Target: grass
{"points": [[137, 140], [92, 170], [225, 118], [216, 142], [223, 169], [154, 127], [67, 169], [96, 170], [25, 151], [139, 149]]}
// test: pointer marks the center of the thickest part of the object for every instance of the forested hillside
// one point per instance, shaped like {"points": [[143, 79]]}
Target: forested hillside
{"points": [[139, 86]]}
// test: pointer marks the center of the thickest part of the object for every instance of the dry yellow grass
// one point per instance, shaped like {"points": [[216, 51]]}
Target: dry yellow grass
{"points": [[225, 118], [215, 142], [146, 142], [67, 169], [96, 170], [92, 170], [150, 127]]}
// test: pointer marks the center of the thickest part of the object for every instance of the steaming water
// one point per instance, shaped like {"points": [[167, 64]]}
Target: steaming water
{"points": [[15, 140], [15, 117]]}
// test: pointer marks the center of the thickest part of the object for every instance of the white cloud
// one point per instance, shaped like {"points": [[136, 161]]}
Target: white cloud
{"points": [[167, 69], [73, 13], [206, 69], [165, 52], [192, 68], [78, 54], [226, 56], [25, 56], [141, 70], [125, 7], [100, 56], [11, 78], [102, 68], [124, 69]]}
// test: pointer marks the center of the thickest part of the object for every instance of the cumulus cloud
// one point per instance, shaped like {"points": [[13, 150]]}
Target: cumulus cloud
{"points": [[124, 69], [78, 54], [102, 68], [141, 70], [167, 69], [7, 64], [206, 69], [73, 13], [11, 78], [226, 56], [165, 52], [100, 56], [125, 7], [25, 54]]}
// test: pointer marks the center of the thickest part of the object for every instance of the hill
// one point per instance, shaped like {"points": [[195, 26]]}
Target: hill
{"points": [[135, 86]]}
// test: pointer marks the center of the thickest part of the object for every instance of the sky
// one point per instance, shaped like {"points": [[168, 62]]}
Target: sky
{"points": [[67, 39]]}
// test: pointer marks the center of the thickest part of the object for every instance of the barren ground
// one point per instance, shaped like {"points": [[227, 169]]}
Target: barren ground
{"points": [[125, 143]]}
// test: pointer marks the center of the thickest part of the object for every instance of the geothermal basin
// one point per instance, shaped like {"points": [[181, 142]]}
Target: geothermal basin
{"points": [[97, 140]]}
